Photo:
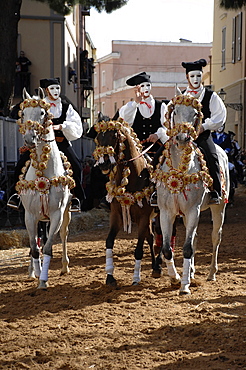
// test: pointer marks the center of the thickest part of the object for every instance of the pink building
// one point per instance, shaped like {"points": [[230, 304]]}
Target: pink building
{"points": [[161, 60]]}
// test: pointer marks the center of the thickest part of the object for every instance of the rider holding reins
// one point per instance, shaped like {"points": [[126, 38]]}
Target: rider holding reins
{"points": [[145, 114]]}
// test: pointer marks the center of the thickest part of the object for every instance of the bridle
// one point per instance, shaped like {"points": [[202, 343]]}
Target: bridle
{"points": [[40, 128], [122, 128]]}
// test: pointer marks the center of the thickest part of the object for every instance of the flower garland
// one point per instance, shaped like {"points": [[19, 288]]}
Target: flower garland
{"points": [[177, 179], [122, 128], [119, 192], [41, 183]]}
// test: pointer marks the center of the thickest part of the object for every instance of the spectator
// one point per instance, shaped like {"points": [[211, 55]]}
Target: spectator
{"points": [[22, 72], [221, 138]]}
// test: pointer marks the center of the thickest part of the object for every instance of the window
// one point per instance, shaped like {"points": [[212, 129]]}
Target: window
{"points": [[223, 51], [74, 14], [103, 78], [237, 38], [95, 79]]}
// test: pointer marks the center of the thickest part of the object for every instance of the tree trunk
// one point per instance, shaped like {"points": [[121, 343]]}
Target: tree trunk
{"points": [[9, 18]]}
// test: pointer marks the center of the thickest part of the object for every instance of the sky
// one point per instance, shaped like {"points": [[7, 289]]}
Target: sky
{"points": [[152, 20]]}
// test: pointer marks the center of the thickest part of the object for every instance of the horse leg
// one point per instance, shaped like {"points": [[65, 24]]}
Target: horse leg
{"points": [[64, 236], [166, 250], [55, 224], [191, 224], [34, 268], [144, 231], [138, 254], [115, 224], [174, 232], [218, 214], [193, 269], [150, 240]]}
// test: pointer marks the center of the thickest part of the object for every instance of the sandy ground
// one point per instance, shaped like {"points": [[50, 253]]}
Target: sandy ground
{"points": [[79, 323]]}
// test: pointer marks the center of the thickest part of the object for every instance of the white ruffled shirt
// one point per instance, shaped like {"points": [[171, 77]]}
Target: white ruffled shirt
{"points": [[72, 127], [129, 110], [216, 107]]}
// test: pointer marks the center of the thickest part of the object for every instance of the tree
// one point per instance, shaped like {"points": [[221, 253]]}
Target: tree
{"points": [[232, 4], [9, 18]]}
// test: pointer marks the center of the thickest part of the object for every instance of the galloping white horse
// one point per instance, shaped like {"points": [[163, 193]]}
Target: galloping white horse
{"points": [[182, 188], [45, 183]]}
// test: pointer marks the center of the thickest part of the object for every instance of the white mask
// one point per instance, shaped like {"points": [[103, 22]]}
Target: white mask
{"points": [[221, 129], [145, 88], [195, 79], [54, 91]]}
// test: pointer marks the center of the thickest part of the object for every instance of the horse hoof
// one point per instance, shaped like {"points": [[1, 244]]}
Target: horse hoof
{"points": [[43, 285], [111, 281], [156, 274], [135, 283], [211, 278], [184, 290], [175, 282], [65, 272]]}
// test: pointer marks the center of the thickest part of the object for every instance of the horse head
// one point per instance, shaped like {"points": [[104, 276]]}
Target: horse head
{"points": [[110, 145], [184, 118], [106, 145], [35, 118]]}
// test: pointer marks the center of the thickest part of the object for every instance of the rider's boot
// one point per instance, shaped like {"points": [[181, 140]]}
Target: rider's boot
{"points": [[214, 197], [14, 201]]}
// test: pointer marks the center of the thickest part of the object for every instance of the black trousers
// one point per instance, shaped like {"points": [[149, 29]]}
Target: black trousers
{"points": [[67, 149], [206, 144]]}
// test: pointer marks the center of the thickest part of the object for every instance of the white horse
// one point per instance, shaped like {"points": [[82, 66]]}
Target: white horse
{"points": [[44, 185], [182, 189]]}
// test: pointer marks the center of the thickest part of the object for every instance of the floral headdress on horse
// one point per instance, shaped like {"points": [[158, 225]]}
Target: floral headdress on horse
{"points": [[177, 179]]}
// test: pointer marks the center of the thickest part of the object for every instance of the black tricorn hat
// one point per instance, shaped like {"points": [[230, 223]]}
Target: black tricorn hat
{"points": [[194, 66], [138, 79], [46, 82]]}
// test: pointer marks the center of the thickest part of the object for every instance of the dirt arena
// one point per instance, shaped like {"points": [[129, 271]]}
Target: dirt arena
{"points": [[79, 323]]}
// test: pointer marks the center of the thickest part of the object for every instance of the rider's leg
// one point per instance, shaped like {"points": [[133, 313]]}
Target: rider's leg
{"points": [[209, 148], [153, 198], [78, 191]]}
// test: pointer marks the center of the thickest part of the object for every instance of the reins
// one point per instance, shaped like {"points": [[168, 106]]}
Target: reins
{"points": [[140, 154]]}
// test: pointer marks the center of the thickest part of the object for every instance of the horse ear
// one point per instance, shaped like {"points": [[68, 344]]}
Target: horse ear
{"points": [[25, 94], [178, 91], [41, 93]]}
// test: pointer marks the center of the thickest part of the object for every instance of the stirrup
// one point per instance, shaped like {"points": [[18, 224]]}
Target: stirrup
{"points": [[214, 197], [75, 205], [153, 199], [11, 202]]}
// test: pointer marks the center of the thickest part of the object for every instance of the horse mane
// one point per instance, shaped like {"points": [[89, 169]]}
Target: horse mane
{"points": [[135, 151]]}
